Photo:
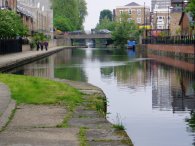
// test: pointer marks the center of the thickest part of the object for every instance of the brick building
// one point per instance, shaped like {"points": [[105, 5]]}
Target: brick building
{"points": [[135, 11], [180, 21]]}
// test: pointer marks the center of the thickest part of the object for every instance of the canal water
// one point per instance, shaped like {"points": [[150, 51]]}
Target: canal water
{"points": [[152, 100]]}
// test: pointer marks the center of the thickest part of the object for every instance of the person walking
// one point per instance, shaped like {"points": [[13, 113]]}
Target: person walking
{"points": [[46, 45], [38, 45], [42, 44]]}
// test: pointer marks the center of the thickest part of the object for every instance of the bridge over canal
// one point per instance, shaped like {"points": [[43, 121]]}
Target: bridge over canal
{"points": [[82, 39]]}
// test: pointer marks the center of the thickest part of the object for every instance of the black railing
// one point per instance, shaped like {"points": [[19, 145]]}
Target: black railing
{"points": [[10, 45], [170, 40]]}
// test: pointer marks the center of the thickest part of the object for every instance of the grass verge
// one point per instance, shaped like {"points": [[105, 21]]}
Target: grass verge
{"points": [[34, 90]]}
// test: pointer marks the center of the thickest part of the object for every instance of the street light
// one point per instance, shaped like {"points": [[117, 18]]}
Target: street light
{"points": [[38, 6], [42, 9]]}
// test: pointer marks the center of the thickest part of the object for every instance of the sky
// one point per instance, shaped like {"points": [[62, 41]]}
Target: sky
{"points": [[95, 6]]}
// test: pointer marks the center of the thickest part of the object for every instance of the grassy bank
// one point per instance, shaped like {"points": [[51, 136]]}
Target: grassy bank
{"points": [[33, 90]]}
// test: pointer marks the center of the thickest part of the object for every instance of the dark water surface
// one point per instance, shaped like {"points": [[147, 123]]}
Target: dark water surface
{"points": [[152, 100]]}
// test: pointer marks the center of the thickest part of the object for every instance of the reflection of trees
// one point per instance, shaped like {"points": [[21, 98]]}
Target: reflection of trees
{"points": [[133, 73], [107, 71], [191, 122], [75, 74]]}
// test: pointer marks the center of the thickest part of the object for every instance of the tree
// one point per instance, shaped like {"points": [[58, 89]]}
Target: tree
{"points": [[62, 23], [106, 24], [11, 24], [124, 31], [105, 14], [69, 12], [191, 8], [82, 5]]}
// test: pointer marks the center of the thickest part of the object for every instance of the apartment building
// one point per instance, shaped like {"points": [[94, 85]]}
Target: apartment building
{"points": [[160, 4], [139, 13], [37, 14], [161, 19]]}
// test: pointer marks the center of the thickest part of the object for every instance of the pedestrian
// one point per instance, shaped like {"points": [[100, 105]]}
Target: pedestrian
{"points": [[38, 45], [42, 44], [46, 45]]}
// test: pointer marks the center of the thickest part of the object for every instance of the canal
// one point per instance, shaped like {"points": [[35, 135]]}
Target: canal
{"points": [[153, 101]]}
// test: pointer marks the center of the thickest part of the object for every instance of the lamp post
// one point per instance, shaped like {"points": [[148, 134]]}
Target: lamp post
{"points": [[169, 9], [42, 9], [156, 21], [38, 6], [183, 2]]}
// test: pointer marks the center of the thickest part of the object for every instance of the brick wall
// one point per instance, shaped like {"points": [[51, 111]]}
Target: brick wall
{"points": [[186, 49], [176, 63]]}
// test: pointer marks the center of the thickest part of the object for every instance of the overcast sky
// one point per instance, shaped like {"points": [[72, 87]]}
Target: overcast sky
{"points": [[95, 6]]}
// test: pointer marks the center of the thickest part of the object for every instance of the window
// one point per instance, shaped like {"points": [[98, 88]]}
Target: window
{"points": [[138, 20], [129, 19], [138, 12], [129, 11]]}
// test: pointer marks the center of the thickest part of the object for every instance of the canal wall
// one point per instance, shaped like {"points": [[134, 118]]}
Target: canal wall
{"points": [[11, 61], [179, 56], [173, 62], [184, 49]]}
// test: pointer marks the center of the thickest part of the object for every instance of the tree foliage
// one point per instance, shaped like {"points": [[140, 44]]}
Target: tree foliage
{"points": [[106, 24], [191, 8], [11, 24], [125, 30], [105, 14], [70, 12]]}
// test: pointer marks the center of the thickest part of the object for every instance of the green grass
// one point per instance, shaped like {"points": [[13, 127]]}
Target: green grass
{"points": [[33, 90]]}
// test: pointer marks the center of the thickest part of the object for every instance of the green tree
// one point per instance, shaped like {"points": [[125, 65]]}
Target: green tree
{"points": [[191, 8], [82, 5], [125, 29], [62, 23], [106, 24], [105, 14], [70, 12], [11, 24]]}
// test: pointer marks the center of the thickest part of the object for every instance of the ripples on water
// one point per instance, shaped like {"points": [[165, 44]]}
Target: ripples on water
{"points": [[153, 100]]}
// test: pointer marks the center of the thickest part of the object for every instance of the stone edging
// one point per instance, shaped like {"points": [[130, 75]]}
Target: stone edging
{"points": [[10, 107]]}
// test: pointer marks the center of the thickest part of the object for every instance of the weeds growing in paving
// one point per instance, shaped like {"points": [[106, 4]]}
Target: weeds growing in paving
{"points": [[82, 137], [118, 125]]}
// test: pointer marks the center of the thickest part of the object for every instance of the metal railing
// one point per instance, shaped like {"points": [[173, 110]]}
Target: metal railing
{"points": [[170, 40], [10, 45]]}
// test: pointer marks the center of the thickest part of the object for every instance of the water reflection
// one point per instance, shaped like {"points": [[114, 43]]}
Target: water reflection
{"points": [[153, 99]]}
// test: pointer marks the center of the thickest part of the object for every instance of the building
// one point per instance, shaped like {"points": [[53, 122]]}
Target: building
{"points": [[37, 15], [160, 4], [161, 19], [140, 14], [180, 21], [8, 4]]}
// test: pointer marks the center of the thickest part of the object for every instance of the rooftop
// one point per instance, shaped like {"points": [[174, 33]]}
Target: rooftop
{"points": [[132, 4]]}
